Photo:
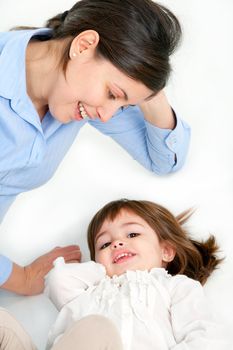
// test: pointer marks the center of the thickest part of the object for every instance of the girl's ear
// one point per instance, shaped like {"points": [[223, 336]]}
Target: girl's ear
{"points": [[168, 252]]}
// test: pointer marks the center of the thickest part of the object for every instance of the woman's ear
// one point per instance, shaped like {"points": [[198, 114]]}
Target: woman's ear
{"points": [[168, 252], [84, 43]]}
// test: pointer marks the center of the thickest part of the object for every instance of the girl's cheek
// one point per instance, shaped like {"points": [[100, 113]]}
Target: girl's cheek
{"points": [[100, 258], [96, 256]]}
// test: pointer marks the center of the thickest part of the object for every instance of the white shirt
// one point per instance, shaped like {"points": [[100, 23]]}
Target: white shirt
{"points": [[151, 310]]}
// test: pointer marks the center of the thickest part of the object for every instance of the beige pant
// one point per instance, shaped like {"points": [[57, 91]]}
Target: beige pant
{"points": [[90, 333], [12, 335]]}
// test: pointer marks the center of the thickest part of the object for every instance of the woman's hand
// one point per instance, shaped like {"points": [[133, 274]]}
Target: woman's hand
{"points": [[158, 112], [29, 280]]}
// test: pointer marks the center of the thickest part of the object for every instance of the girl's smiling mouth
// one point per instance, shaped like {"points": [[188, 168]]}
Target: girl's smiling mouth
{"points": [[122, 257]]}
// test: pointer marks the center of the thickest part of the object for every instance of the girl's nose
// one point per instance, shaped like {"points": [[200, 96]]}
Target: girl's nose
{"points": [[117, 244]]}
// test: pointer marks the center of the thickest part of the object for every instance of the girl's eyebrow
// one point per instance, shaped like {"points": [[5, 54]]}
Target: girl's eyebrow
{"points": [[99, 235], [132, 223], [123, 225]]}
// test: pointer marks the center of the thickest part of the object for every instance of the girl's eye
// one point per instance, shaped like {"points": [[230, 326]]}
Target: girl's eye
{"points": [[111, 96], [105, 245], [133, 234]]}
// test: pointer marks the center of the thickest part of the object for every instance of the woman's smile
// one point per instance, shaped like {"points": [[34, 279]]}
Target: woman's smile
{"points": [[80, 112]]}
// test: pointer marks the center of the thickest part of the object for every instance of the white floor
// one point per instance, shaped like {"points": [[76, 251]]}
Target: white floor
{"points": [[97, 170]]}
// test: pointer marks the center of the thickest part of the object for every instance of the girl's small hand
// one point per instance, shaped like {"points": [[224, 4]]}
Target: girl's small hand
{"points": [[29, 280], [158, 112]]}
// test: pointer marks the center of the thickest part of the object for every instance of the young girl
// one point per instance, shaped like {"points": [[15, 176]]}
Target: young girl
{"points": [[146, 279]]}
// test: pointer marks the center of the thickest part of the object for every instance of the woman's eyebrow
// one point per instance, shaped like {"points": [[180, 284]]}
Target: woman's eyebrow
{"points": [[124, 93], [150, 96], [127, 98]]}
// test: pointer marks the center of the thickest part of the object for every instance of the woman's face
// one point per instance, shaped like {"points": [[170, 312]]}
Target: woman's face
{"points": [[97, 85], [129, 243]]}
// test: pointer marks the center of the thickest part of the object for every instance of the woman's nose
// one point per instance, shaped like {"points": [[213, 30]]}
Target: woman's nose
{"points": [[117, 244], [108, 112]]}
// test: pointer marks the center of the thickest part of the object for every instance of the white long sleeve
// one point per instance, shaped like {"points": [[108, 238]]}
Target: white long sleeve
{"points": [[192, 322], [66, 281]]}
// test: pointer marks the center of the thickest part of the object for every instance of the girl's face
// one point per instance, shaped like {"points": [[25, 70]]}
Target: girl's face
{"points": [[95, 83], [129, 243]]}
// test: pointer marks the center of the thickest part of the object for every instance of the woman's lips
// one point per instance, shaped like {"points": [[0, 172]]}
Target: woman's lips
{"points": [[77, 113], [82, 113]]}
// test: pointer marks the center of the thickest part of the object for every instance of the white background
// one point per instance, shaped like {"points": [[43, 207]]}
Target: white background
{"points": [[96, 170]]}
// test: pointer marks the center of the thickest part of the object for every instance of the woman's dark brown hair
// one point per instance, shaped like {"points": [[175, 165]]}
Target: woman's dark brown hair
{"points": [[136, 36], [194, 259]]}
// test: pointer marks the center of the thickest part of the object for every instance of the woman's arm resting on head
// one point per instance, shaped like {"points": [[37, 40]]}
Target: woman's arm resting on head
{"points": [[29, 280], [151, 133], [158, 112]]}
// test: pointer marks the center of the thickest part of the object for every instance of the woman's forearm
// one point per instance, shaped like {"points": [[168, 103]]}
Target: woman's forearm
{"points": [[29, 280], [158, 112], [17, 282]]}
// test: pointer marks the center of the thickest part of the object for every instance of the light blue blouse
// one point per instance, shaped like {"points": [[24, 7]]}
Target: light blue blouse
{"points": [[31, 150]]}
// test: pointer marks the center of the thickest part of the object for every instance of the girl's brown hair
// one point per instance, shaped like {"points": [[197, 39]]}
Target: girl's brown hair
{"points": [[136, 36], [194, 259]]}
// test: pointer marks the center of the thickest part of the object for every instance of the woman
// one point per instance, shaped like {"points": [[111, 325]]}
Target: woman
{"points": [[89, 64]]}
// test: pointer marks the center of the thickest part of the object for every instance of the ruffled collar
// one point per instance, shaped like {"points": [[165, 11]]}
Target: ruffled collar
{"points": [[140, 275]]}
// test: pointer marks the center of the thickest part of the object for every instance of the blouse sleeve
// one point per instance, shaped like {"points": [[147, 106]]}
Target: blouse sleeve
{"points": [[159, 150], [66, 281], [193, 325], [6, 266], [5, 203]]}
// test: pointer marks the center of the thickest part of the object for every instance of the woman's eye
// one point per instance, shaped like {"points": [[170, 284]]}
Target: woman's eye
{"points": [[111, 96], [127, 106], [105, 245], [133, 234]]}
